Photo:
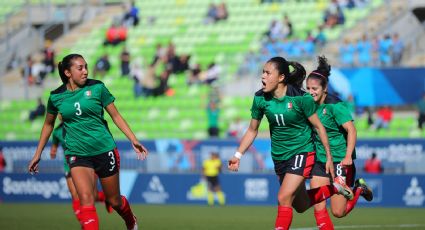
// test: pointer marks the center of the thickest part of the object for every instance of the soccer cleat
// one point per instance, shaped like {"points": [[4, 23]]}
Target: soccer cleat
{"points": [[133, 226], [366, 193], [342, 188]]}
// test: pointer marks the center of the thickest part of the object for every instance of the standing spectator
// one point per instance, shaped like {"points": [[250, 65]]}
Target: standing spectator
{"points": [[3, 163], [222, 12], [211, 168], [125, 62], [373, 165], [194, 75], [213, 113], [38, 111], [91, 150], [385, 51], [102, 66], [397, 50], [136, 72], [346, 53], [384, 117], [421, 111], [49, 57], [131, 17], [364, 50], [287, 29]]}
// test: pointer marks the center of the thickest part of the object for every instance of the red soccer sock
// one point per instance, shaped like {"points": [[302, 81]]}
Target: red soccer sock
{"points": [[323, 220], [320, 194], [76, 208], [101, 196], [284, 218], [352, 203], [89, 219], [126, 213]]}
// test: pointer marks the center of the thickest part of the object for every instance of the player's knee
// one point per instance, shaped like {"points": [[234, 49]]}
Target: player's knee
{"points": [[86, 199], [338, 213], [284, 199]]}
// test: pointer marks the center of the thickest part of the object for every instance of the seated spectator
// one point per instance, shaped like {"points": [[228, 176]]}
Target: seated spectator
{"points": [[384, 117], [212, 73], [38, 111], [102, 66], [334, 15], [222, 12], [125, 62], [194, 75], [182, 64], [287, 29], [211, 14], [373, 165], [115, 35], [136, 72], [159, 53], [131, 17], [49, 57], [162, 88]]}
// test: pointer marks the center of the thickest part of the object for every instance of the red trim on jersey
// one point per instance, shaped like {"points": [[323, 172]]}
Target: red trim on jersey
{"points": [[309, 163], [117, 157]]}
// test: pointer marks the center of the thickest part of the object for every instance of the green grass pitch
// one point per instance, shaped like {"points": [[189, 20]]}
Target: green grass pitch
{"points": [[186, 217]]}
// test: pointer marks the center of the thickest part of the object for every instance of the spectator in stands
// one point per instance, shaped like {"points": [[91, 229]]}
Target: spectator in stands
{"points": [[320, 38], [364, 50], [194, 75], [334, 15], [275, 31], [237, 128], [212, 73], [373, 165], [182, 64], [136, 72], [346, 53], [421, 111], [287, 29], [102, 66], [49, 57], [397, 50], [211, 14], [384, 51], [222, 12], [384, 115], [125, 62], [375, 51], [3, 163], [115, 35], [159, 53], [131, 16], [38, 111], [34, 71], [162, 87], [213, 113], [211, 168]]}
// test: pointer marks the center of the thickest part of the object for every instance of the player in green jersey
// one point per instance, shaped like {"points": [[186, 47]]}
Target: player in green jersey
{"points": [[90, 147], [58, 140], [290, 112], [336, 118]]}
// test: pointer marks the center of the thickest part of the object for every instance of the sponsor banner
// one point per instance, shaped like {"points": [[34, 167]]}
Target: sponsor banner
{"points": [[239, 189]]}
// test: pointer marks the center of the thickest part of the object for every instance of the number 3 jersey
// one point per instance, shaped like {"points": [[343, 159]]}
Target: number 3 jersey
{"points": [[82, 111], [290, 130]]}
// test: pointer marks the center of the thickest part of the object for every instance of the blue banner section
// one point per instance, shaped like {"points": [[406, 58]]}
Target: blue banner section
{"points": [[397, 155], [375, 87], [239, 189]]}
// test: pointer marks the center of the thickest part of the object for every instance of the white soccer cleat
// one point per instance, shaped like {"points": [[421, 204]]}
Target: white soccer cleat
{"points": [[343, 188]]}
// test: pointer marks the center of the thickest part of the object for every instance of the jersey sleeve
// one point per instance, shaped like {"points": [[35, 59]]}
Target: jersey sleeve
{"points": [[341, 113], [106, 96], [256, 112], [51, 108], [309, 107], [55, 139]]}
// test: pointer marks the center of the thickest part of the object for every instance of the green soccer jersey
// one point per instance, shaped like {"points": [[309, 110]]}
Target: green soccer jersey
{"points": [[58, 139], [82, 110], [333, 113], [290, 130]]}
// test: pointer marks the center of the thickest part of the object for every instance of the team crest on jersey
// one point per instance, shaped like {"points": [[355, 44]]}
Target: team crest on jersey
{"points": [[88, 93], [72, 159], [324, 111], [290, 105]]}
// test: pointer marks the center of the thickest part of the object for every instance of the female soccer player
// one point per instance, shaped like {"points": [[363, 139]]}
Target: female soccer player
{"points": [[290, 113], [90, 147], [337, 120], [58, 139]]}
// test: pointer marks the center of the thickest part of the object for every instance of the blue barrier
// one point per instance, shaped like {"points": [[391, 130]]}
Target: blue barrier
{"points": [[239, 189]]}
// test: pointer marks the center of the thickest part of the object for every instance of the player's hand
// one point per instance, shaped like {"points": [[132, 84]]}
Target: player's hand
{"points": [[33, 165], [330, 168], [52, 155], [140, 150], [233, 164], [347, 161]]}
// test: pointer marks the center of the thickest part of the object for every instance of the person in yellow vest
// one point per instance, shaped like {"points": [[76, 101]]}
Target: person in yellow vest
{"points": [[211, 170]]}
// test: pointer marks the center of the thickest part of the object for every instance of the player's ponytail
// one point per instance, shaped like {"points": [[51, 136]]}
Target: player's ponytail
{"points": [[66, 64], [296, 75], [322, 72]]}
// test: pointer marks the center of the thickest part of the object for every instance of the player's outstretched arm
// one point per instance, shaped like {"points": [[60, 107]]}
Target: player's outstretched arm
{"points": [[246, 141], [119, 121], [46, 131]]}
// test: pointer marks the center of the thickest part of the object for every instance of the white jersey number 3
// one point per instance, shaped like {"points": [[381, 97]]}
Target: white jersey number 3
{"points": [[78, 108]]}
